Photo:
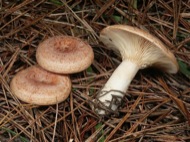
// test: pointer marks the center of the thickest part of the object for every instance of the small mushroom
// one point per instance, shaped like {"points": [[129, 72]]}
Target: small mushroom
{"points": [[64, 54], [138, 50], [35, 85]]}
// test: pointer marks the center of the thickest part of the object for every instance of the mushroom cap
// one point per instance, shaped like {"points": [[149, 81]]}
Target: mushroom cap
{"points": [[64, 54], [140, 47], [35, 85]]}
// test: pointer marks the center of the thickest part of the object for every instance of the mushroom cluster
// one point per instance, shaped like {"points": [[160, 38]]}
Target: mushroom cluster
{"points": [[49, 82], [138, 50]]}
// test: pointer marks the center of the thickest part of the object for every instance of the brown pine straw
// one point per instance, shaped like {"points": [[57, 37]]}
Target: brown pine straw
{"points": [[156, 106]]}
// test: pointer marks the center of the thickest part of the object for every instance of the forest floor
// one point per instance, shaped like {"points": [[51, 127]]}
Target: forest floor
{"points": [[156, 105]]}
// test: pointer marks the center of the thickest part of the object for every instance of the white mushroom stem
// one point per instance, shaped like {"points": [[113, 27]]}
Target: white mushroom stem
{"points": [[116, 86]]}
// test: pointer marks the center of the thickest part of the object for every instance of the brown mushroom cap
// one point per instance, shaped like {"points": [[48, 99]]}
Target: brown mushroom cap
{"points": [[140, 47], [64, 54], [35, 85]]}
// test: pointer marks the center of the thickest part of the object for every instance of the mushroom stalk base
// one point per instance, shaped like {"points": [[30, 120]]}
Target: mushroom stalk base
{"points": [[110, 97]]}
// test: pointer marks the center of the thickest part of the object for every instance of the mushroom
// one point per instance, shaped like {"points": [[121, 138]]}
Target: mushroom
{"points": [[138, 50], [35, 85], [64, 54]]}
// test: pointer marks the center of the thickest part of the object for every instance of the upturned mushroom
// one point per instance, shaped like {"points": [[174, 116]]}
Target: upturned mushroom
{"points": [[64, 54], [35, 85], [138, 49]]}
